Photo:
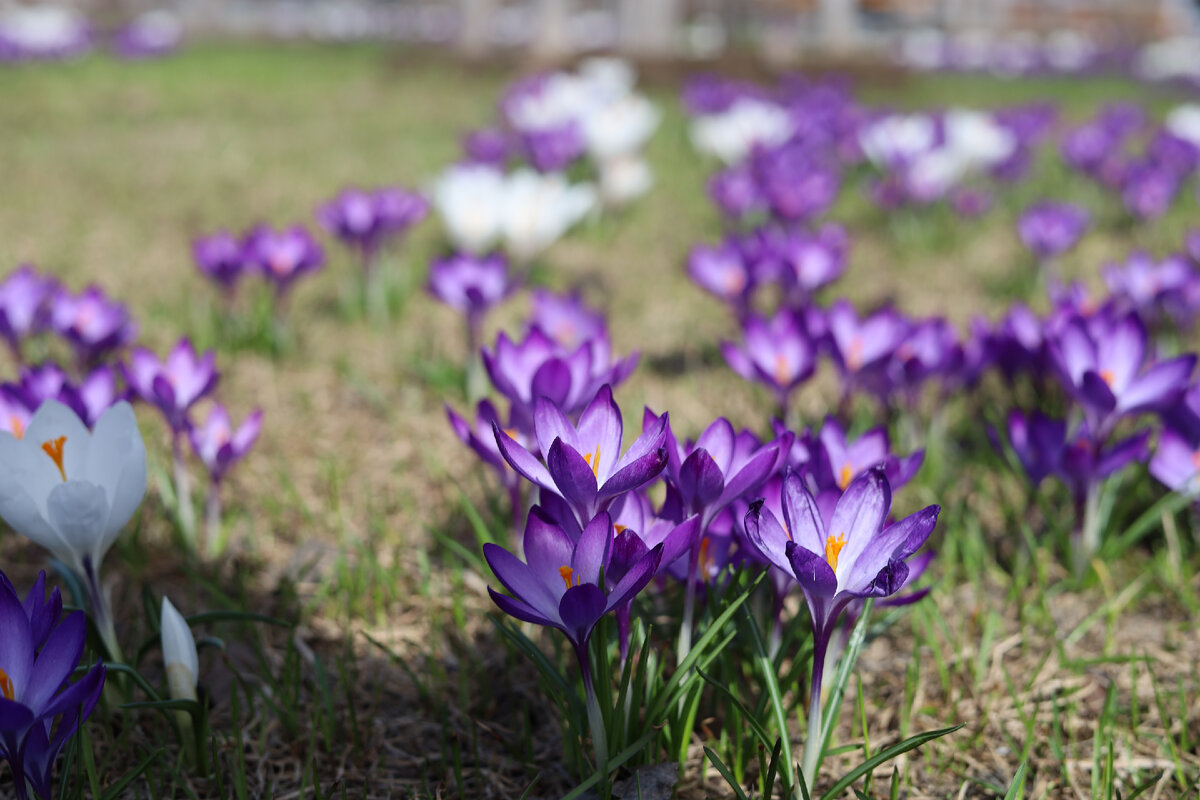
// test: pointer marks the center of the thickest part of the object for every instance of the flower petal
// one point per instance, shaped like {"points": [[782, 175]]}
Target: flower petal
{"points": [[815, 576], [859, 516], [801, 514]]}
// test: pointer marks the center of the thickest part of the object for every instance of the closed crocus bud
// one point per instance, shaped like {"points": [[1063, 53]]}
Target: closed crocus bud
{"points": [[179, 653]]}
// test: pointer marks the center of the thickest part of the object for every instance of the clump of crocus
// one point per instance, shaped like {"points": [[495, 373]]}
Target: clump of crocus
{"points": [[220, 446], [72, 491], [366, 221], [569, 584], [41, 709], [853, 555], [173, 386]]}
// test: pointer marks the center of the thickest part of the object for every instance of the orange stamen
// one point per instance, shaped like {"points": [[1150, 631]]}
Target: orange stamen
{"points": [[704, 560], [593, 461], [854, 354], [1108, 377], [833, 548], [6, 687], [845, 475], [18, 427], [733, 283], [620, 528], [781, 369], [566, 573], [1196, 460], [54, 449]]}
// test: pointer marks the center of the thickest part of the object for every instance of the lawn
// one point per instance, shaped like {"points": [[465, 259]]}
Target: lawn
{"points": [[354, 519]]}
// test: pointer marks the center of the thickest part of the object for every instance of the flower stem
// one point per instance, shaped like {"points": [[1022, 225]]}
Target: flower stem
{"points": [[814, 742], [101, 615], [595, 719], [184, 511], [1088, 540], [212, 520]]}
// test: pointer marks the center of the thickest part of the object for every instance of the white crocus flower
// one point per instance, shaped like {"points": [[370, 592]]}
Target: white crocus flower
{"points": [[179, 653], [897, 138], [620, 128], [470, 200], [731, 134], [624, 179], [72, 491], [539, 209], [1184, 122]]}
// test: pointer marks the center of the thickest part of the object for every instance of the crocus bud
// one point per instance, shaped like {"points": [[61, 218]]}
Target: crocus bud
{"points": [[179, 653]]}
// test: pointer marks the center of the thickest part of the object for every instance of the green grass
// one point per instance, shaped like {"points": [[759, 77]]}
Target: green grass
{"points": [[353, 518]]}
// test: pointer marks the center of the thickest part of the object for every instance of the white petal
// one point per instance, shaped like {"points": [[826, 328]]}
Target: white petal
{"points": [[78, 510]]}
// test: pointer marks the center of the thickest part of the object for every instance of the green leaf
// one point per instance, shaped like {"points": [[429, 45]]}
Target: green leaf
{"points": [[120, 786], [887, 754], [846, 663], [1016, 789], [771, 682], [725, 773]]}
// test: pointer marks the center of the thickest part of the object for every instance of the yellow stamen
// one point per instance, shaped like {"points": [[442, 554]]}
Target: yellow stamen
{"points": [[54, 449], [593, 461], [781, 369], [566, 573], [833, 548], [18, 427], [511, 433], [1108, 377], [6, 687], [1196, 459], [845, 475], [620, 528]]}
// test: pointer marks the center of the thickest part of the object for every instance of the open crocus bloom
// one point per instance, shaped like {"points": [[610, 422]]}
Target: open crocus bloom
{"points": [[838, 460], [219, 445], [853, 555], [72, 491], [778, 352], [174, 384], [561, 583], [1108, 370], [36, 661], [1176, 462], [583, 465]]}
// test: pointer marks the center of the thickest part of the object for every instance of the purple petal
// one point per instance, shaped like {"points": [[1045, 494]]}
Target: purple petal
{"points": [[636, 474], [860, 513], [594, 549], [700, 480], [580, 609], [801, 514], [636, 578], [766, 534], [1158, 386], [572, 476], [814, 574], [519, 609], [522, 460]]}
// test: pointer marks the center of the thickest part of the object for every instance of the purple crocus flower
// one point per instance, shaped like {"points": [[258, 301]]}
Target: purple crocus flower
{"points": [[560, 584], [855, 555], [172, 385], [1087, 461], [736, 192], [565, 318], [778, 353], [837, 460], [479, 437], [1107, 368], [219, 445], [1050, 229], [220, 257], [583, 464], [970, 203], [15, 413], [23, 297], [490, 146], [570, 585], [720, 466], [366, 220], [1039, 443], [92, 323], [538, 366], [1176, 462], [1154, 289], [285, 255], [1149, 191], [89, 399], [721, 271], [471, 285], [41, 650], [554, 149], [814, 260], [862, 346]]}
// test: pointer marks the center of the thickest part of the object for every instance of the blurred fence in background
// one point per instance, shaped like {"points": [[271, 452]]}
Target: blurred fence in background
{"points": [[1016, 36]]}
